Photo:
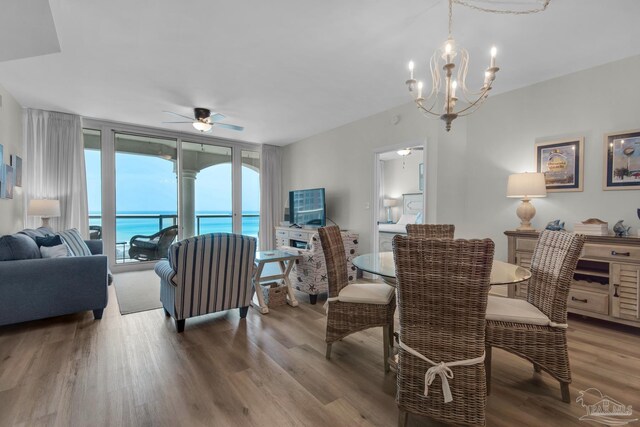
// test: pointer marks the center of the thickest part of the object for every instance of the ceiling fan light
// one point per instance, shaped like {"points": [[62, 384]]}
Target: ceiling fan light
{"points": [[404, 152], [202, 126]]}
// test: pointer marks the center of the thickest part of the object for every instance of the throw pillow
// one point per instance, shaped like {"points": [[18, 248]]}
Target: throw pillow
{"points": [[75, 242], [49, 241], [18, 246], [57, 251], [419, 218], [40, 232]]}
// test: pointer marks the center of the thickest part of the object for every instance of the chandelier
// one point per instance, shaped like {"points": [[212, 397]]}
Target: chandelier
{"points": [[444, 78]]}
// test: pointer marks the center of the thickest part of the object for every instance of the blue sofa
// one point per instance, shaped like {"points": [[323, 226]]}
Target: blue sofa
{"points": [[38, 288]]}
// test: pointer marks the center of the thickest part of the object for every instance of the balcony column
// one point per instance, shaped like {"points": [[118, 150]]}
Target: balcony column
{"points": [[189, 203]]}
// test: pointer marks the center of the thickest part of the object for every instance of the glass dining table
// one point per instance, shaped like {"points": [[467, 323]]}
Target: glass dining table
{"points": [[382, 264]]}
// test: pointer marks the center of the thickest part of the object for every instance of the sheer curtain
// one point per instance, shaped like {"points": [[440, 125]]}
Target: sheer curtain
{"points": [[270, 195], [54, 167]]}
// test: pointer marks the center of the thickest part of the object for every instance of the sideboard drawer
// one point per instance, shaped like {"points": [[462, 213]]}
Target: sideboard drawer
{"points": [[282, 234], [619, 253], [526, 245], [299, 235], [588, 301]]}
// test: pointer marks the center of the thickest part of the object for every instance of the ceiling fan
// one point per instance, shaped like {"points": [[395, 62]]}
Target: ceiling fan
{"points": [[204, 120]]}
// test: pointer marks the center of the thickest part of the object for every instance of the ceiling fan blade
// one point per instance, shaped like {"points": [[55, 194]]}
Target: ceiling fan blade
{"points": [[228, 126], [216, 117], [179, 115], [179, 122]]}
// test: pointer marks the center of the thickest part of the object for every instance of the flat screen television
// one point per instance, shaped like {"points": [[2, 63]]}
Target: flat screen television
{"points": [[307, 207]]}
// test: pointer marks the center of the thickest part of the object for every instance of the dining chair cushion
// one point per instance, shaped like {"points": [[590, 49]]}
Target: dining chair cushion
{"points": [[515, 310], [367, 293]]}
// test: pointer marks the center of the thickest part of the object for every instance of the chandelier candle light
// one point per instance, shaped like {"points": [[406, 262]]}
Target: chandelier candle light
{"points": [[445, 58]]}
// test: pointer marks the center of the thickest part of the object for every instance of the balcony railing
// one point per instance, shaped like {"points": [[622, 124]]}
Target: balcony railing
{"points": [[145, 226]]}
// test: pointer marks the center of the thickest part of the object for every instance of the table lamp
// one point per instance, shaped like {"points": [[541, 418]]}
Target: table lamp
{"points": [[44, 208], [389, 203], [526, 186]]}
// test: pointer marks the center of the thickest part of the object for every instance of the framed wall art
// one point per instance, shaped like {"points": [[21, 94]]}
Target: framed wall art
{"points": [[622, 161], [16, 163], [562, 163], [8, 185], [3, 181]]}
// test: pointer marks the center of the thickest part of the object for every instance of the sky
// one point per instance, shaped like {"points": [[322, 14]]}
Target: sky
{"points": [[148, 184]]}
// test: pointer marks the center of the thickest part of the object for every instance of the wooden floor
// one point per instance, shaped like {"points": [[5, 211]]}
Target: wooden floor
{"points": [[263, 371]]}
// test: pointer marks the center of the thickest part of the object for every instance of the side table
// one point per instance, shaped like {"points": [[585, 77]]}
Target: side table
{"points": [[285, 261]]}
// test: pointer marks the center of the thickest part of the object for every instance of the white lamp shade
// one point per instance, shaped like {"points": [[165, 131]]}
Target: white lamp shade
{"points": [[44, 208], [526, 185], [388, 203], [202, 126]]}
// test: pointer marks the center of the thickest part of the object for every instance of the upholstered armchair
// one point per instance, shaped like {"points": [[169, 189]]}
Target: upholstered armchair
{"points": [[206, 274], [309, 274]]}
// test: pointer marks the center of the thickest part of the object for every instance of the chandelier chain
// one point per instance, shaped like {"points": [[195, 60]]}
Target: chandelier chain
{"points": [[450, 16], [545, 4]]}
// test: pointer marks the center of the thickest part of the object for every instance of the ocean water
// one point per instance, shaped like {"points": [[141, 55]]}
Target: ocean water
{"points": [[128, 227]]}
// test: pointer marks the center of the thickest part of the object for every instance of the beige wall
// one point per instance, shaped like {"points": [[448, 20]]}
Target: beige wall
{"points": [[502, 134], [11, 210], [467, 169], [342, 161]]}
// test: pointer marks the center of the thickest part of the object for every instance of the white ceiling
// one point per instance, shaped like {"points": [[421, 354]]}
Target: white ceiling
{"points": [[26, 29], [288, 69]]}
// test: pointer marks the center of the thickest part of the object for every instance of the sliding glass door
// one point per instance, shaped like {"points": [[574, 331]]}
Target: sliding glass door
{"points": [[146, 193], [207, 190], [161, 188], [92, 161], [250, 193]]}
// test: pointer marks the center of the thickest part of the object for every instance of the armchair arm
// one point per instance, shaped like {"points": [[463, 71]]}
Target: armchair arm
{"points": [[150, 237], [95, 246], [166, 273]]}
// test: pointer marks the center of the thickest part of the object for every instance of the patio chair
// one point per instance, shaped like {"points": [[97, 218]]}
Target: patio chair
{"points": [[155, 246], [95, 232]]}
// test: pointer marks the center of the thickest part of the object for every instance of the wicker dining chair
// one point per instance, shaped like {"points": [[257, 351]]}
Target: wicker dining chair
{"points": [[354, 307], [535, 329], [442, 287], [432, 231]]}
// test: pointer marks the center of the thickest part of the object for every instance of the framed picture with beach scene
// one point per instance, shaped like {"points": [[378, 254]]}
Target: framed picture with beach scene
{"points": [[562, 163], [622, 161]]}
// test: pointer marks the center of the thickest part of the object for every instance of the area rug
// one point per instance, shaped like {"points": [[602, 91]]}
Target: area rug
{"points": [[137, 291]]}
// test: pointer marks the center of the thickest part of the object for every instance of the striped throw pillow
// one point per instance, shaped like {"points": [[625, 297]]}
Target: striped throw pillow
{"points": [[76, 244]]}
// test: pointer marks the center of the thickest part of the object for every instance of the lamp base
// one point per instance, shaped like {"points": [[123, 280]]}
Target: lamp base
{"points": [[45, 222], [525, 212]]}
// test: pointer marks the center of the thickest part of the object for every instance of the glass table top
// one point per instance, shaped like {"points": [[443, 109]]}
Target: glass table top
{"points": [[382, 264]]}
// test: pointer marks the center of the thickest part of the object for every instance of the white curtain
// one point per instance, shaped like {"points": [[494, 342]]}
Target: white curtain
{"points": [[54, 167], [270, 195]]}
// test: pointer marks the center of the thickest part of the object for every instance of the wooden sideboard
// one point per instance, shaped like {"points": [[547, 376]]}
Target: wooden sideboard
{"points": [[606, 282]]}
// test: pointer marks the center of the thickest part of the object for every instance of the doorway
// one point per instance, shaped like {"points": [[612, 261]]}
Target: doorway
{"points": [[399, 192]]}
